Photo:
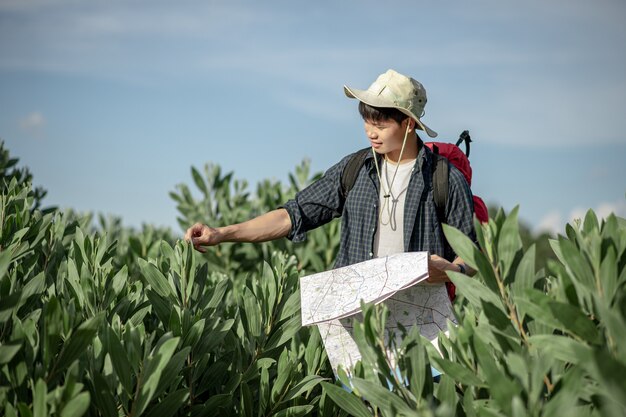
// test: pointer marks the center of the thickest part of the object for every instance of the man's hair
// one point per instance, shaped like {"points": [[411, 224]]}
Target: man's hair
{"points": [[378, 114]]}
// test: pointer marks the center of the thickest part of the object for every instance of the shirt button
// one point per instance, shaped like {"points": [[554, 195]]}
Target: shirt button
{"points": [[371, 254]]}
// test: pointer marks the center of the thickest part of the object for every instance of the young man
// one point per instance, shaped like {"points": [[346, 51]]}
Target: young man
{"points": [[390, 208]]}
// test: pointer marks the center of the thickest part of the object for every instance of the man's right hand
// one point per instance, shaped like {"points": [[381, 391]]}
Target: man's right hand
{"points": [[202, 235]]}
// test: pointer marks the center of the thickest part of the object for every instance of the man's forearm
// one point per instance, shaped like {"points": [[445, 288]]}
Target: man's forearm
{"points": [[438, 267], [269, 226]]}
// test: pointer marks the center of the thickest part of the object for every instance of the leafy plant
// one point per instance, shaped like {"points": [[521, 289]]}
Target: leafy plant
{"points": [[107, 320], [526, 343]]}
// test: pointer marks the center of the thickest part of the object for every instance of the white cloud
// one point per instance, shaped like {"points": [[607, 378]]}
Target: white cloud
{"points": [[554, 221], [554, 85], [605, 209], [33, 124]]}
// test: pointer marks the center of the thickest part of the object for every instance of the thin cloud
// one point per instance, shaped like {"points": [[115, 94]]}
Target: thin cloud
{"points": [[554, 221], [525, 87], [33, 124]]}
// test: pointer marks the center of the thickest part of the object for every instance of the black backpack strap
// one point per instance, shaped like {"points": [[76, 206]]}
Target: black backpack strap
{"points": [[351, 170], [440, 183]]}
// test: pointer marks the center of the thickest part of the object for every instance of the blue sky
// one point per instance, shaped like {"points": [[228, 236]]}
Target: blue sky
{"points": [[111, 102]]}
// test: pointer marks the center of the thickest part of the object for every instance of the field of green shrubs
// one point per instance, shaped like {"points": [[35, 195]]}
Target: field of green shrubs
{"points": [[100, 319]]}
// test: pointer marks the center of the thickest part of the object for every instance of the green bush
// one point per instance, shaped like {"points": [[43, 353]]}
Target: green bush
{"points": [[133, 325], [107, 320], [526, 343]]}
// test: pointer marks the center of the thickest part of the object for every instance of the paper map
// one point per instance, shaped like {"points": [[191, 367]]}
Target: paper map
{"points": [[332, 299]]}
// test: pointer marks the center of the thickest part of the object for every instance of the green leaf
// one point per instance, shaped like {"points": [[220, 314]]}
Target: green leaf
{"points": [[312, 354], [171, 404], [458, 372], [7, 304], [575, 321], [218, 401], [77, 406], [218, 293], [40, 391], [8, 351], [307, 383], [557, 314], [197, 178], [5, 261], [509, 242], [501, 386], [167, 251], [246, 399], [291, 306], [576, 264], [73, 279], [24, 410], [562, 348], [102, 396], [609, 375], [155, 278], [285, 367], [260, 364], [160, 306], [172, 370], [380, 397], [152, 372], [251, 313], [471, 255], [119, 280], [264, 391], [285, 332], [34, 286], [119, 359], [446, 391], [194, 334], [295, 411], [348, 402], [590, 223], [78, 342], [420, 372], [534, 303], [608, 272], [525, 273], [475, 291]]}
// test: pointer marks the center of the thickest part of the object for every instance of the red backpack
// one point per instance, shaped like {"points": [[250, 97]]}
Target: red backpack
{"points": [[455, 155], [460, 160]]}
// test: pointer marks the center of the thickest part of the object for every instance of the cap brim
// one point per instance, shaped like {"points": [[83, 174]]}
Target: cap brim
{"points": [[376, 100]]}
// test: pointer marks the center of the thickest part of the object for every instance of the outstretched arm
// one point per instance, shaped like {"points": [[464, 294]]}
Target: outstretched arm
{"points": [[269, 226]]}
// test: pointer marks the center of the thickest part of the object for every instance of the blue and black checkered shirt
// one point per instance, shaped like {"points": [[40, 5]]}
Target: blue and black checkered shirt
{"points": [[322, 201]]}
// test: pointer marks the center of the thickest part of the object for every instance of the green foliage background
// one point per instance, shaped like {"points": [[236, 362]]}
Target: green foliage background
{"points": [[99, 319]]}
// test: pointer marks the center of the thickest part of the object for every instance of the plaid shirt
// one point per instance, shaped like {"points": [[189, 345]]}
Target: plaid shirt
{"points": [[322, 201]]}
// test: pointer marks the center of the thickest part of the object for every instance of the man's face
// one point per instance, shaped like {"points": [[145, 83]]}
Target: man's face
{"points": [[385, 135]]}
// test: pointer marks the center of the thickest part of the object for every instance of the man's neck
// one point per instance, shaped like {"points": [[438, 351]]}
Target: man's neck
{"points": [[411, 149]]}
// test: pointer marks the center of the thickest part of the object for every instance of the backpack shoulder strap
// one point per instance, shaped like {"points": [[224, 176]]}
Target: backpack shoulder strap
{"points": [[440, 183], [351, 170]]}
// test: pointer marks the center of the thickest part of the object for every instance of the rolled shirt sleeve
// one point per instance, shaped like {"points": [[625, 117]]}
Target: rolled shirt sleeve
{"points": [[317, 204]]}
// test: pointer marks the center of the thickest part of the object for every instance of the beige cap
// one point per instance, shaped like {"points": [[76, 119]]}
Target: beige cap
{"points": [[397, 91]]}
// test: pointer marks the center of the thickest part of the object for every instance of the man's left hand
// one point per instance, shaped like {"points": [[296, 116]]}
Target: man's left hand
{"points": [[437, 267]]}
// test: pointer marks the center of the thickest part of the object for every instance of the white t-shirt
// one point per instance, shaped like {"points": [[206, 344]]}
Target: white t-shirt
{"points": [[389, 238]]}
